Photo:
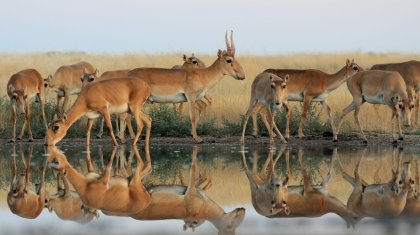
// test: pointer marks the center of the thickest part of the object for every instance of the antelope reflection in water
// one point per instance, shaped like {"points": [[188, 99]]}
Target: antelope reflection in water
{"points": [[109, 194], [304, 200], [189, 203], [380, 200], [22, 199], [67, 204]]}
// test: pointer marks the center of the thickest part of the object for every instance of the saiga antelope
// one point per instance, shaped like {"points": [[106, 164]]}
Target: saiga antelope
{"points": [[270, 91], [410, 71], [67, 204], [66, 82], [380, 200], [190, 204], [104, 98], [190, 85], [379, 87], [190, 63], [309, 200], [21, 198], [269, 195], [103, 192], [22, 86], [312, 85], [88, 78]]}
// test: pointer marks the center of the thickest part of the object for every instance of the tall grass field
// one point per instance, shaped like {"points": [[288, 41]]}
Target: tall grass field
{"points": [[231, 97]]}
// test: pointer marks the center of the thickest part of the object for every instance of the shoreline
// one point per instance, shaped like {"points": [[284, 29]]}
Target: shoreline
{"points": [[349, 139]]}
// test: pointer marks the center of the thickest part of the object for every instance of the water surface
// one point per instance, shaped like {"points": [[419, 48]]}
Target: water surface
{"points": [[230, 187]]}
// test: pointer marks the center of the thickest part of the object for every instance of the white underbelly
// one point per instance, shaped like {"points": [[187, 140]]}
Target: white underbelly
{"points": [[92, 114], [295, 96], [118, 108], [172, 98], [375, 99], [111, 108]]}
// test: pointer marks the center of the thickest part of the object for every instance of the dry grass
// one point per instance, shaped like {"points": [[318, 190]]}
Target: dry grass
{"points": [[231, 96]]}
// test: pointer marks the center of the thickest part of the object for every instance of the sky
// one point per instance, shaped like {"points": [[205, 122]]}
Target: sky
{"points": [[260, 27]]}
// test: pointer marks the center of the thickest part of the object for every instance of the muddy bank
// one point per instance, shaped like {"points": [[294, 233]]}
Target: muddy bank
{"points": [[352, 139]]}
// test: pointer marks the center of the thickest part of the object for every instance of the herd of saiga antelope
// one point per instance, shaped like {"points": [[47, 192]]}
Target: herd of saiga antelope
{"points": [[125, 92]]}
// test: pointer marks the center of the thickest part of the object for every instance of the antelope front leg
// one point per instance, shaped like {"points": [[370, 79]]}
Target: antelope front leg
{"points": [[255, 112], [356, 117], [58, 108], [65, 102], [345, 111], [135, 109], [193, 117], [148, 122], [306, 103], [129, 126], [287, 132], [248, 113], [28, 121], [42, 106], [105, 114], [14, 120]]}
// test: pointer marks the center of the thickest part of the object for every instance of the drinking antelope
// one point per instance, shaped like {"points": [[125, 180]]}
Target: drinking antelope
{"points": [[379, 87], [313, 85], [67, 204], [22, 86], [269, 194], [104, 98], [380, 200], [21, 198], [190, 85], [190, 204], [410, 71], [103, 192], [269, 91], [66, 82]]}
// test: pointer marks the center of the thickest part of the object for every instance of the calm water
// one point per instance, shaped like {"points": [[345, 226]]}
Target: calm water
{"points": [[229, 187]]}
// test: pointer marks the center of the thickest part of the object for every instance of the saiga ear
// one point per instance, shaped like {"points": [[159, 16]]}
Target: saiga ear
{"points": [[219, 53], [184, 57], [347, 62], [286, 77]]}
